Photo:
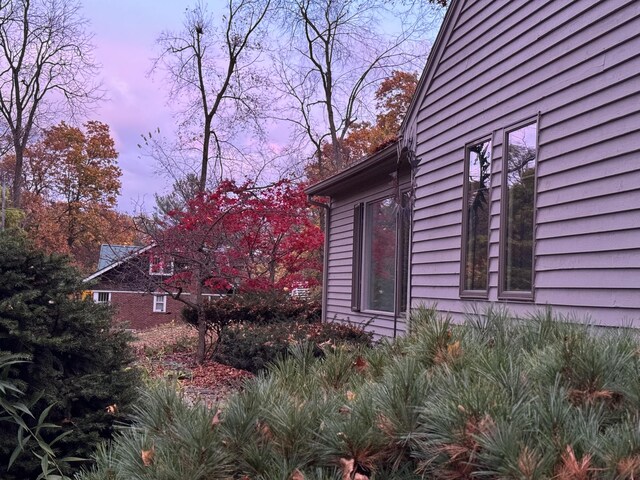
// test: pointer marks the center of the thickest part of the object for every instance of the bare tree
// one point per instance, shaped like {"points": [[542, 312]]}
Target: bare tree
{"points": [[339, 50], [214, 81], [46, 69]]}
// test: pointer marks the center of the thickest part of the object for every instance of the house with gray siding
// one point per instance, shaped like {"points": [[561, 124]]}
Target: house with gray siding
{"points": [[516, 179]]}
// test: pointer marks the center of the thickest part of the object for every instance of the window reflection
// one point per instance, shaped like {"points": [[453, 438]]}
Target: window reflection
{"points": [[405, 237], [380, 255], [520, 191], [477, 186]]}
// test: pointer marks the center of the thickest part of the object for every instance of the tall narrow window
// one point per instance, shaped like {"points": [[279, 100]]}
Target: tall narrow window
{"points": [[356, 280], [404, 237], [380, 256], [476, 216], [518, 210]]}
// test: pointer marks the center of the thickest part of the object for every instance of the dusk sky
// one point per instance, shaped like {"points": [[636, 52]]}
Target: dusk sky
{"points": [[124, 35]]}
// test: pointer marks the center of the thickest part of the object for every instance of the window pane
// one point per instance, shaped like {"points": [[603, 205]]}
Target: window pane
{"points": [[102, 297], [380, 260], [405, 237], [160, 265], [159, 303], [520, 191], [477, 186]]}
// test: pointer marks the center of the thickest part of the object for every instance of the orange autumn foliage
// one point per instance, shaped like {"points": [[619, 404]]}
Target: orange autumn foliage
{"points": [[392, 102]]}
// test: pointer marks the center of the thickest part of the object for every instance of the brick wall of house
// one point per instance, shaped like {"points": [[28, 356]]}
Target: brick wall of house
{"points": [[136, 310]]}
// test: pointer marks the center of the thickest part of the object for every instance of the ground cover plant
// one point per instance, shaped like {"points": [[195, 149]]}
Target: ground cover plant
{"points": [[496, 398]]}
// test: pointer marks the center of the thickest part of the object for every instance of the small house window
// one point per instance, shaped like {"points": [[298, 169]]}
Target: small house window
{"points": [[476, 217], [518, 206], [160, 303], [102, 297], [160, 265]]}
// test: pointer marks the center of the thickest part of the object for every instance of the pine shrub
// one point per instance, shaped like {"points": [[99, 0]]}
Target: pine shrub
{"points": [[497, 398], [79, 366]]}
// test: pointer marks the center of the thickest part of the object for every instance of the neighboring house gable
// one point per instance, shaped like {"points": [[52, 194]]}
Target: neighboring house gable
{"points": [[526, 131], [126, 281], [110, 254]]}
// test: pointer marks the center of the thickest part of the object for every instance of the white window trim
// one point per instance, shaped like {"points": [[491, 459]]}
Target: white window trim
{"points": [[156, 303], [165, 271], [96, 296]]}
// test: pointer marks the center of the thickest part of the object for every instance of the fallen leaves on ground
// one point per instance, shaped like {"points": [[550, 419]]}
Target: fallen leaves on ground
{"points": [[210, 381]]}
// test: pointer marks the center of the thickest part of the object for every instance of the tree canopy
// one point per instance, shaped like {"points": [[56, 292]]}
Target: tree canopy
{"points": [[46, 69]]}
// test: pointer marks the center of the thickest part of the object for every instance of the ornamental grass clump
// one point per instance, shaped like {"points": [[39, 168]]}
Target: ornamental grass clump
{"points": [[496, 397]]}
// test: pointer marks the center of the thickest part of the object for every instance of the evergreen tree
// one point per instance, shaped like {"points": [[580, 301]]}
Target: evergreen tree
{"points": [[79, 364]]}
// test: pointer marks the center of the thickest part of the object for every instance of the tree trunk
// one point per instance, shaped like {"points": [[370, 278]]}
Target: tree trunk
{"points": [[202, 320], [17, 178], [202, 186]]}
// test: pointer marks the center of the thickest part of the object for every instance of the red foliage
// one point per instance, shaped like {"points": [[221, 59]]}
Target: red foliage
{"points": [[245, 237]]}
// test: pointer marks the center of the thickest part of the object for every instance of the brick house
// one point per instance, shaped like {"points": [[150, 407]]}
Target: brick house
{"points": [[127, 279]]}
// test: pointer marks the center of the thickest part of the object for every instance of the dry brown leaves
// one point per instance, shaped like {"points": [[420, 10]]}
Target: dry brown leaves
{"points": [[572, 468], [210, 381], [349, 469], [147, 456], [162, 336]]}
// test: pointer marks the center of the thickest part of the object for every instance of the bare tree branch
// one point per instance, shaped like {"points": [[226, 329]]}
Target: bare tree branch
{"points": [[46, 69], [339, 52], [213, 79]]}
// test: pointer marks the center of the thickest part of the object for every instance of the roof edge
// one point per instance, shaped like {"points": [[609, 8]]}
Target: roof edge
{"points": [[435, 49], [118, 263], [352, 171]]}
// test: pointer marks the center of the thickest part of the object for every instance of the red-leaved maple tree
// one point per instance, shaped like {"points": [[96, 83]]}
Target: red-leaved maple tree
{"points": [[239, 238]]}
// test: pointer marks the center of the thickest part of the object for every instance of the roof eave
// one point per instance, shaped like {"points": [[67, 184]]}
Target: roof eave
{"points": [[329, 185], [118, 263]]}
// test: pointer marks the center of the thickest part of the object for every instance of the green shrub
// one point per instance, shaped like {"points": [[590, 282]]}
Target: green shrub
{"points": [[254, 346], [79, 366], [497, 398], [267, 307]]}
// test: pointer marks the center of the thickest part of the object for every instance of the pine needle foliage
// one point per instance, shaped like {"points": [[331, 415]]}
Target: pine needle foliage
{"points": [[168, 439], [79, 366], [496, 397]]}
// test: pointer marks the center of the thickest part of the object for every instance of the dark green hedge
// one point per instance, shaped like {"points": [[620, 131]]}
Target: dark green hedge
{"points": [[260, 308], [253, 346]]}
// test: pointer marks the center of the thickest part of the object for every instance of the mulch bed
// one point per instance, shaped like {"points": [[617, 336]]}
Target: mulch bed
{"points": [[210, 382]]}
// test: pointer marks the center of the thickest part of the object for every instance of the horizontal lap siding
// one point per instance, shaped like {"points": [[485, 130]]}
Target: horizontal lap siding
{"points": [[340, 260], [577, 64]]}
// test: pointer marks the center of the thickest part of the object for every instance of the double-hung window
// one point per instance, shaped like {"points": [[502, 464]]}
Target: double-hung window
{"points": [[160, 303], [381, 261]]}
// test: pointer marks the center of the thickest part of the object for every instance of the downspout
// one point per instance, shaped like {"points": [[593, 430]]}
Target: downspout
{"points": [[325, 254]]}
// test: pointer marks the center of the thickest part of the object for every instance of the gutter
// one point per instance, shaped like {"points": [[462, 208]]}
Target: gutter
{"points": [[325, 253]]}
